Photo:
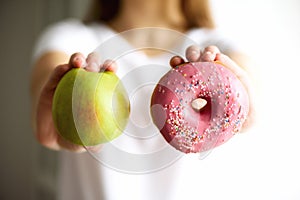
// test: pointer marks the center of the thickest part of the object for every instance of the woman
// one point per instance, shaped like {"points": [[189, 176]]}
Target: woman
{"points": [[81, 177]]}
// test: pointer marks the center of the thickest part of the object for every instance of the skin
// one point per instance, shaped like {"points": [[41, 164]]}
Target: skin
{"points": [[48, 69]]}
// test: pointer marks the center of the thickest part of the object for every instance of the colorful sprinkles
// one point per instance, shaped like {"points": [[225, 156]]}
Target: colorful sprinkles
{"points": [[227, 111]]}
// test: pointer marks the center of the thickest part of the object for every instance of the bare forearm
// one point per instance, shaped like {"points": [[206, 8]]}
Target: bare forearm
{"points": [[42, 123]]}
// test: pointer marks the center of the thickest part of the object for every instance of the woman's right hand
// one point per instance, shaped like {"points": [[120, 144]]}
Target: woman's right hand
{"points": [[212, 53], [46, 132]]}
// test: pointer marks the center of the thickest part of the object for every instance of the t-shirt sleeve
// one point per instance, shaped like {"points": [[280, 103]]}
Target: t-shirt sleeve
{"points": [[68, 36]]}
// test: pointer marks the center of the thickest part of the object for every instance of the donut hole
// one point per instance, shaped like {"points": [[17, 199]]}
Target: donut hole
{"points": [[206, 113]]}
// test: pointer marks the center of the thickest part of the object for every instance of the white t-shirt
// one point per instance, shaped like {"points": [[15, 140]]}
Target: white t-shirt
{"points": [[139, 164]]}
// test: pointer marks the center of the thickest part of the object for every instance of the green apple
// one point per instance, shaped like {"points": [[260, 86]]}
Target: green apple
{"points": [[90, 108]]}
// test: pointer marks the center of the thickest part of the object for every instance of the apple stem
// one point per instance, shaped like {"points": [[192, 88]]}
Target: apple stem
{"points": [[198, 104]]}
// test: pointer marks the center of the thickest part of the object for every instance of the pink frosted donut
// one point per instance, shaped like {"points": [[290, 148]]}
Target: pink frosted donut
{"points": [[190, 130]]}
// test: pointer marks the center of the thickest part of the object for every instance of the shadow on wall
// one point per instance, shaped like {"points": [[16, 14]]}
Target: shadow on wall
{"points": [[27, 169]]}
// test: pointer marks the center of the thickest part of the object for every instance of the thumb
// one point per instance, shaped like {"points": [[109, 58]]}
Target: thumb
{"points": [[56, 76]]}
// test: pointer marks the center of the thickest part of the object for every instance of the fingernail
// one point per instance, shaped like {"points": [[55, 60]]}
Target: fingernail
{"points": [[93, 67], [193, 55], [194, 52], [208, 56], [78, 62], [198, 104]]}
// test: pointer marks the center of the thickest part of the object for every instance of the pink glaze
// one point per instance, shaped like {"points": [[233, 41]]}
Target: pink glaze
{"points": [[194, 131]]}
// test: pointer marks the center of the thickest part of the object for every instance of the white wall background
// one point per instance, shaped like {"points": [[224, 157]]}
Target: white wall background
{"points": [[268, 159], [270, 32]]}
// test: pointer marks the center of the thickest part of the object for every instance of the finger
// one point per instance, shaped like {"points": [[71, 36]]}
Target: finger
{"points": [[199, 103], [175, 61], [109, 65], [237, 70], [209, 54], [55, 77], [245, 79], [94, 149], [250, 120], [93, 62], [193, 53], [65, 144], [77, 60], [232, 66]]}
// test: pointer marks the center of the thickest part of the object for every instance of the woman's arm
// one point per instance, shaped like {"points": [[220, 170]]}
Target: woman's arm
{"points": [[45, 76]]}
